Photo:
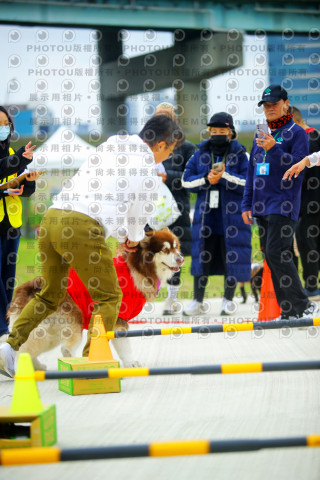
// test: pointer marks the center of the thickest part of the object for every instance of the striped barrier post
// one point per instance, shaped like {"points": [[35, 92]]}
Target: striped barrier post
{"points": [[205, 329], [226, 368], [42, 455]]}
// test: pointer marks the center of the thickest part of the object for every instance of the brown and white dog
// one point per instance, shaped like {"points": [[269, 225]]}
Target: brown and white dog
{"points": [[155, 261]]}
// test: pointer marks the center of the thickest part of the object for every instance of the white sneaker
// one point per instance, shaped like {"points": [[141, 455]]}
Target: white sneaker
{"points": [[228, 307], [7, 360], [194, 308], [310, 311], [171, 307]]}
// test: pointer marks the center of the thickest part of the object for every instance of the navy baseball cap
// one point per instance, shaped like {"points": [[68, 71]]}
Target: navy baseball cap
{"points": [[273, 94], [222, 120]]}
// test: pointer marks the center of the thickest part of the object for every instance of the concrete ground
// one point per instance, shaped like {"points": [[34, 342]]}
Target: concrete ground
{"points": [[164, 408]]}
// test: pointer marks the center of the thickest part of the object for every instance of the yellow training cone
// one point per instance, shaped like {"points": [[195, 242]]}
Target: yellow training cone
{"points": [[99, 350], [26, 398]]}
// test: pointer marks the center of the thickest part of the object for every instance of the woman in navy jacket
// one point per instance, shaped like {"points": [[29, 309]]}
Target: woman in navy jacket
{"points": [[221, 242]]}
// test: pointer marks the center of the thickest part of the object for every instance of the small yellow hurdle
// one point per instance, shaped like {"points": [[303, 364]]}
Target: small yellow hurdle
{"points": [[226, 368], [205, 329], [29, 456]]}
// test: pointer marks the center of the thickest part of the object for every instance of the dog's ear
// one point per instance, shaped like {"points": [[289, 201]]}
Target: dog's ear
{"points": [[166, 229]]}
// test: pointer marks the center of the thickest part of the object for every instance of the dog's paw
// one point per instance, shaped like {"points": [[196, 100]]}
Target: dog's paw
{"points": [[132, 364], [66, 352], [38, 365]]}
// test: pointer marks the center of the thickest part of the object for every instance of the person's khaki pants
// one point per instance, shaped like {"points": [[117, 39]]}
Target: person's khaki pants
{"points": [[68, 239]]}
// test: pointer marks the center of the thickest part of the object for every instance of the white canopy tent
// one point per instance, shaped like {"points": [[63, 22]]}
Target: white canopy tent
{"points": [[63, 150]]}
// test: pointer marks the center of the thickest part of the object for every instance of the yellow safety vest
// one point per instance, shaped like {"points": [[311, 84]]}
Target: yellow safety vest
{"points": [[13, 204]]}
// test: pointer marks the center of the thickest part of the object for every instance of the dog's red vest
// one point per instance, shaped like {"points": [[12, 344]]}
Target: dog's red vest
{"points": [[132, 299]]}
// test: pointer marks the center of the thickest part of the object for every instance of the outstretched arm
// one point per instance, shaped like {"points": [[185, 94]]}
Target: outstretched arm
{"points": [[296, 169], [310, 161]]}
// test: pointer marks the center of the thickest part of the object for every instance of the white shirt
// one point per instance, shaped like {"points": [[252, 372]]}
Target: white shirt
{"points": [[314, 159], [116, 187]]}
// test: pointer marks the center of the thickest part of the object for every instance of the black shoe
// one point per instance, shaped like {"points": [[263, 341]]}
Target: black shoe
{"points": [[286, 316]]}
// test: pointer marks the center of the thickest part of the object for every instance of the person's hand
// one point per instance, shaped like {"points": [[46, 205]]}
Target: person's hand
{"points": [[215, 175], [163, 176], [14, 192], [247, 217], [32, 176], [267, 142], [28, 151], [130, 246], [296, 169]]}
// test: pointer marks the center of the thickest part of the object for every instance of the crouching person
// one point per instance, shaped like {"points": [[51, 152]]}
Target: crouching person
{"points": [[88, 210]]}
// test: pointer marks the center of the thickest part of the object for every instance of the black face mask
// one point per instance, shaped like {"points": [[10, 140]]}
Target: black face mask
{"points": [[219, 140]]}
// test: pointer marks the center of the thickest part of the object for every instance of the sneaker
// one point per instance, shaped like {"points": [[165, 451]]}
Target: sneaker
{"points": [[194, 308], [7, 360], [286, 316], [310, 311], [171, 307], [228, 307]]}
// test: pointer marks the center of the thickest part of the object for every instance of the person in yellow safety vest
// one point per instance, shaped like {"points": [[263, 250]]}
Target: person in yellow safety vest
{"points": [[12, 164]]}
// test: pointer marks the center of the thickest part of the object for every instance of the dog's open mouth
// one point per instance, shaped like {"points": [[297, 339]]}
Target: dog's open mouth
{"points": [[173, 269]]}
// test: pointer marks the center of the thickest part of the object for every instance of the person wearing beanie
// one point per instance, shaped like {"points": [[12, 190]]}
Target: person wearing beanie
{"points": [[174, 167], [275, 202], [221, 243]]}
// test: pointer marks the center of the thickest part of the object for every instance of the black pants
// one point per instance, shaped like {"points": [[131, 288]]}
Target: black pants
{"points": [[276, 232], [308, 240], [216, 245], [200, 283]]}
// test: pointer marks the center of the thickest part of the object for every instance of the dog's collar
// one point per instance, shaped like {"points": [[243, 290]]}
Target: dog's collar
{"points": [[158, 286]]}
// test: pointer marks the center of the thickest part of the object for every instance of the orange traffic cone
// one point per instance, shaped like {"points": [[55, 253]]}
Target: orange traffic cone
{"points": [[268, 307], [99, 350]]}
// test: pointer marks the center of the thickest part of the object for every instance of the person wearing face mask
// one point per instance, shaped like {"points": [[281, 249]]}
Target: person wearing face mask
{"points": [[221, 243], [12, 164]]}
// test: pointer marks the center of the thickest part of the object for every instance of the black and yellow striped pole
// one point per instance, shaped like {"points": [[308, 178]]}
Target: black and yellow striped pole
{"points": [[24, 456], [226, 327], [254, 367]]}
